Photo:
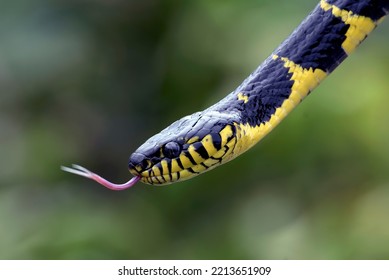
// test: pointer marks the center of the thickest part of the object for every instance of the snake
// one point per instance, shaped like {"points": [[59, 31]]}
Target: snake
{"points": [[204, 140]]}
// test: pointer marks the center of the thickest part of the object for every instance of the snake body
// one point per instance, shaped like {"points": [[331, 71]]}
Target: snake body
{"points": [[206, 139]]}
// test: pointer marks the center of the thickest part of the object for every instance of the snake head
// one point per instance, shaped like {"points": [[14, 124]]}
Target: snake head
{"points": [[190, 146]]}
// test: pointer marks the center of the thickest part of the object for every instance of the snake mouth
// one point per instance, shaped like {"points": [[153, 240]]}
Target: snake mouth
{"points": [[161, 179], [149, 177]]}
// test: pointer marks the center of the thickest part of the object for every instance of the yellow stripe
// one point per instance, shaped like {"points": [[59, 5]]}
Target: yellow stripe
{"points": [[196, 156], [305, 80], [199, 168], [186, 163], [243, 97], [156, 170], [192, 140], [166, 177], [175, 166], [208, 145], [226, 152], [165, 169], [220, 153], [360, 26], [185, 174], [174, 176], [225, 133], [210, 162], [155, 180], [230, 153]]}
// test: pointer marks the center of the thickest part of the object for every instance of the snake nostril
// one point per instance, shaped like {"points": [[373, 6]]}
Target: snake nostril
{"points": [[144, 164], [138, 160]]}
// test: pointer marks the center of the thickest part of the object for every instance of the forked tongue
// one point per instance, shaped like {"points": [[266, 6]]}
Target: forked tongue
{"points": [[81, 171]]}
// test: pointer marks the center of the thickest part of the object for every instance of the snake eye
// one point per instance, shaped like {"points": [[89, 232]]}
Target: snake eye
{"points": [[171, 150]]}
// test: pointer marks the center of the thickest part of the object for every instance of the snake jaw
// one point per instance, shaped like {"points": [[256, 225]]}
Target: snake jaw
{"points": [[81, 171]]}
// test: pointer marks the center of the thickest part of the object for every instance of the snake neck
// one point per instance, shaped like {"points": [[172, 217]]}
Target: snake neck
{"points": [[323, 40]]}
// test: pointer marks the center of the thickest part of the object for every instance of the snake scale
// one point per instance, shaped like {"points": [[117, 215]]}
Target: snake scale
{"points": [[204, 140]]}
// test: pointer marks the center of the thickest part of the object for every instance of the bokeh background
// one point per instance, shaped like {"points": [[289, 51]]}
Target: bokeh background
{"points": [[87, 81]]}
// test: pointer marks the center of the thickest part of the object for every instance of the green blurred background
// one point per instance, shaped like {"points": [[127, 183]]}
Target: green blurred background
{"points": [[88, 81]]}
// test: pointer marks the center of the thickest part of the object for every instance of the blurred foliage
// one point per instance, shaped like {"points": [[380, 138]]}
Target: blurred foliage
{"points": [[88, 81]]}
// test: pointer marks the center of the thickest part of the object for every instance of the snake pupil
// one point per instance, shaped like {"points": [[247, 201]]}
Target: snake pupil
{"points": [[171, 150]]}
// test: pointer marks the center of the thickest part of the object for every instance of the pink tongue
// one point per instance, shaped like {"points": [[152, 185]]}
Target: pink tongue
{"points": [[79, 170]]}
